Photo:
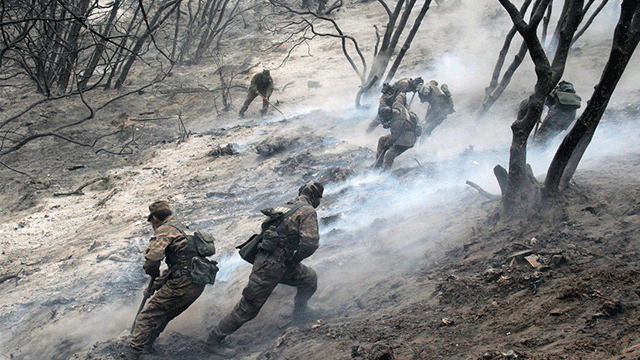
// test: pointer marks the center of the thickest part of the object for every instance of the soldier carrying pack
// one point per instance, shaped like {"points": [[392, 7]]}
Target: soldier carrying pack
{"points": [[193, 260], [273, 234]]}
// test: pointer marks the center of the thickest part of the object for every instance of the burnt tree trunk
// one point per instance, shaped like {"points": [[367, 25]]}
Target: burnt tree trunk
{"points": [[409, 39], [569, 154], [70, 51], [158, 19], [521, 191], [495, 89], [496, 86], [100, 47]]}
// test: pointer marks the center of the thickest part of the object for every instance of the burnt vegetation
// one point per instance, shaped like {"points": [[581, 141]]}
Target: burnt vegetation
{"points": [[529, 267]]}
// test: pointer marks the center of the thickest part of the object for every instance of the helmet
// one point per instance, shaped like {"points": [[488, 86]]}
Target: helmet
{"points": [[566, 87], [313, 190], [385, 113], [417, 81]]}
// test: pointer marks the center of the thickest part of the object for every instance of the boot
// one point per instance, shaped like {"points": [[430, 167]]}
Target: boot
{"points": [[214, 345], [300, 313], [149, 346], [130, 354]]}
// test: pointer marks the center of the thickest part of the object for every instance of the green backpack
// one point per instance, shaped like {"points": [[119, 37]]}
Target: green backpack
{"points": [[202, 244], [567, 100], [270, 237]]}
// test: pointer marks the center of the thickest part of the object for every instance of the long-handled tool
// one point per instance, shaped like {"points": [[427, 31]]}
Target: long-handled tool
{"points": [[411, 101], [275, 107], [147, 294]]}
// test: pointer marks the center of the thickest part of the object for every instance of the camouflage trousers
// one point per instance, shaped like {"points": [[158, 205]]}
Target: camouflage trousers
{"points": [[174, 297], [268, 271], [386, 155], [556, 121], [433, 119], [251, 95]]}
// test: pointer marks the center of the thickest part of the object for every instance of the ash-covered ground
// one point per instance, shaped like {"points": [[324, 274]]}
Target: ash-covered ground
{"points": [[413, 258]]}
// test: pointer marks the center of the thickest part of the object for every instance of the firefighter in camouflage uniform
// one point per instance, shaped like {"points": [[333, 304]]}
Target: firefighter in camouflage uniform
{"points": [[261, 85], [404, 132], [279, 265], [563, 103], [174, 290], [440, 106], [388, 97]]}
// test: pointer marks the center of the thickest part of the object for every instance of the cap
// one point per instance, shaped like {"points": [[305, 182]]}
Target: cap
{"points": [[312, 188], [158, 207]]}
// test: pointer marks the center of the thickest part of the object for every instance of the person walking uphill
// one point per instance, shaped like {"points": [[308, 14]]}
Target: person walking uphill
{"points": [[388, 97], [404, 132], [278, 262], [563, 103], [175, 290], [261, 85], [440, 105]]}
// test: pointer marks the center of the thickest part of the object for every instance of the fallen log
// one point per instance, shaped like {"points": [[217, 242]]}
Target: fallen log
{"points": [[483, 192]]}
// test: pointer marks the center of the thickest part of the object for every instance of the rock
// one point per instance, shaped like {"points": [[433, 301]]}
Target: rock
{"points": [[533, 260], [274, 145], [447, 322], [222, 151], [357, 350], [491, 274], [557, 261], [381, 351], [326, 220]]}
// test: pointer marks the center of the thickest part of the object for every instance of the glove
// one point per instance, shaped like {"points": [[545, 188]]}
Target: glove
{"points": [[152, 268], [149, 291]]}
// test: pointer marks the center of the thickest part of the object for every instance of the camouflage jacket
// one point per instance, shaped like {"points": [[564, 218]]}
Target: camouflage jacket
{"points": [[438, 98], [263, 84], [400, 86], [303, 222], [403, 129], [166, 241]]}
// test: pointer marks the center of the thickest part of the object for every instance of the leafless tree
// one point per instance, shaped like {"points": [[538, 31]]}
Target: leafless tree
{"points": [[305, 27], [498, 85], [52, 41], [520, 190], [161, 14], [569, 154], [519, 187], [206, 22]]}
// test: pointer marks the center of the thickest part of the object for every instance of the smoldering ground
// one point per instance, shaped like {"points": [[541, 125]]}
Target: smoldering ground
{"points": [[373, 226]]}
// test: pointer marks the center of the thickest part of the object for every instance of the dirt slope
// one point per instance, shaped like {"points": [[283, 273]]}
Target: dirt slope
{"points": [[414, 259]]}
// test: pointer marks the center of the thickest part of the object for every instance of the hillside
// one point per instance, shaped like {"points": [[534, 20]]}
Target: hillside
{"points": [[413, 258]]}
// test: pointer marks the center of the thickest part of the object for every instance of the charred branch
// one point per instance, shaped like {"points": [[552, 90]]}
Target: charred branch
{"points": [[79, 191], [482, 192]]}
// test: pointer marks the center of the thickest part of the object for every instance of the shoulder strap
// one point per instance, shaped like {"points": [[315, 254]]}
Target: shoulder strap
{"points": [[180, 228], [293, 209], [285, 215], [191, 246]]}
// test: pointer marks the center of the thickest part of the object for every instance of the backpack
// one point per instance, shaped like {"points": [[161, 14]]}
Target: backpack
{"points": [[566, 100], [271, 237], [200, 245]]}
